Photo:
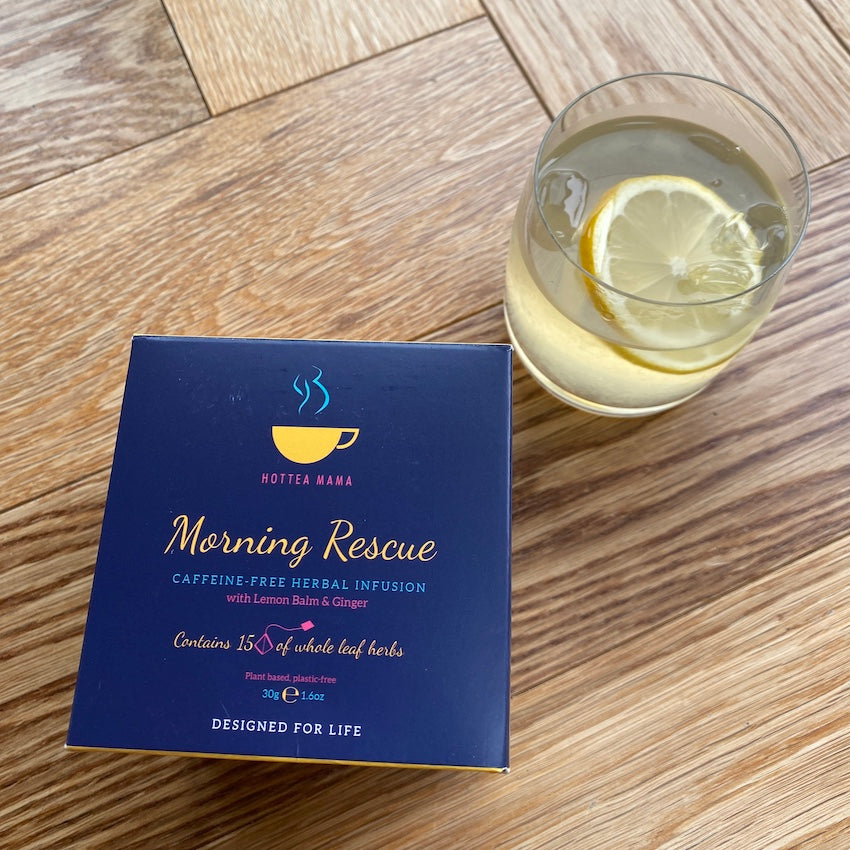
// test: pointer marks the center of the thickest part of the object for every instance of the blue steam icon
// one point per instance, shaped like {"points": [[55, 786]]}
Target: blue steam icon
{"points": [[304, 390]]}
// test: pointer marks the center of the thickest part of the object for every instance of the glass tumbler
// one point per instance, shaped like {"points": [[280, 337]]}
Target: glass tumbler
{"points": [[651, 240]]}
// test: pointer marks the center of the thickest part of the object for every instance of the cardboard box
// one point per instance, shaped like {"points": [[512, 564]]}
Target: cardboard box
{"points": [[305, 556]]}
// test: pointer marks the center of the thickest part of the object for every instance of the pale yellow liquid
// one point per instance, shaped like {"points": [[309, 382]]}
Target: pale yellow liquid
{"points": [[565, 336]]}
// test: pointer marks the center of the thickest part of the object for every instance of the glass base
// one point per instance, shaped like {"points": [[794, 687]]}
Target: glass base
{"points": [[585, 404]]}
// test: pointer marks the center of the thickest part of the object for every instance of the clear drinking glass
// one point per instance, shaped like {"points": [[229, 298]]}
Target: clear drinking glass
{"points": [[651, 241]]}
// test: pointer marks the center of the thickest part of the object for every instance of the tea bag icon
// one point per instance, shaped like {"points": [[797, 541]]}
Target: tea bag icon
{"points": [[265, 644]]}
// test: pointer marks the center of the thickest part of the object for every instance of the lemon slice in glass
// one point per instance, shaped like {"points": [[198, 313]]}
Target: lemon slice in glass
{"points": [[679, 262]]}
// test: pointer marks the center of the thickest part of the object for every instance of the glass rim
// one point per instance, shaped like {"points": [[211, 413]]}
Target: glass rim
{"points": [[699, 78]]}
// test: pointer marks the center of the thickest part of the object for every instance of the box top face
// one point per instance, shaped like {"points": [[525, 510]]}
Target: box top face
{"points": [[305, 555]]}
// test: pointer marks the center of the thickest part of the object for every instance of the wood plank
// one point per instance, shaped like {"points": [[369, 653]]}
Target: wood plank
{"points": [[780, 53], [242, 50], [81, 81], [835, 13], [619, 741], [605, 753], [242, 226], [770, 746]]}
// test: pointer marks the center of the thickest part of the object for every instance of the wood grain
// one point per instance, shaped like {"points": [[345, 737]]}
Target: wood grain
{"points": [[779, 53], [81, 81], [835, 13], [266, 222], [620, 740], [681, 583], [241, 50]]}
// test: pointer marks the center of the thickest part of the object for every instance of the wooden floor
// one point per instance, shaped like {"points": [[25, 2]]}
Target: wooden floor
{"points": [[681, 607]]}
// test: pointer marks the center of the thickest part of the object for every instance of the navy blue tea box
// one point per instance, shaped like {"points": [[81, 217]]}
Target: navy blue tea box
{"points": [[305, 556]]}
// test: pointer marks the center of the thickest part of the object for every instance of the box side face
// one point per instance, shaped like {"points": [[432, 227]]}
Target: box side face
{"points": [[305, 554]]}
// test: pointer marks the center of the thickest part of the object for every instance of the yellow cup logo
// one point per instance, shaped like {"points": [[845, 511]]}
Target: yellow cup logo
{"points": [[310, 443]]}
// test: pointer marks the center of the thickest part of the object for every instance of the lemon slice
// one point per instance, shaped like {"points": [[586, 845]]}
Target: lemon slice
{"points": [[674, 255]]}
